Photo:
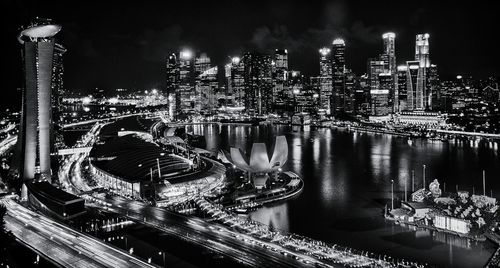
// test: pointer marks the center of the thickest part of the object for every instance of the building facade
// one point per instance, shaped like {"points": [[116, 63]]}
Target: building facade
{"points": [[39, 53]]}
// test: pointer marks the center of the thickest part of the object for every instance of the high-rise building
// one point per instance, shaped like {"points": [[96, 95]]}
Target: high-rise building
{"points": [[380, 97], [432, 88], [422, 50], [205, 84], [375, 67], [414, 85], [172, 73], [401, 94], [338, 71], [185, 94], [422, 56], [41, 58], [390, 51], [389, 58], [350, 89], [325, 79], [206, 88], [258, 83], [280, 77], [237, 82]]}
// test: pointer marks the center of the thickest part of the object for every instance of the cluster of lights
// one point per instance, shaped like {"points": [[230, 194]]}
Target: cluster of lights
{"points": [[186, 54], [324, 51]]}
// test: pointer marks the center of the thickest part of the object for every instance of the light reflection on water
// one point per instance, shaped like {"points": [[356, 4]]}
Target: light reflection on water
{"points": [[347, 183]]}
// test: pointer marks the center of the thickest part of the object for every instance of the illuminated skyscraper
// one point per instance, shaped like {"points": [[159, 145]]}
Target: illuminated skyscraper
{"points": [[280, 77], [185, 95], [422, 50], [390, 51], [422, 57], [325, 79], [401, 95], [338, 71], [258, 83], [237, 81], [39, 54], [414, 85], [380, 97]]}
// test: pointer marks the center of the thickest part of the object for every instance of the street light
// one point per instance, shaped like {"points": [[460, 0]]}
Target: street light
{"points": [[392, 195]]}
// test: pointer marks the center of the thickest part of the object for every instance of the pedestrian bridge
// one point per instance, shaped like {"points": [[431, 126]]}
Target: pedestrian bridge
{"points": [[76, 150]]}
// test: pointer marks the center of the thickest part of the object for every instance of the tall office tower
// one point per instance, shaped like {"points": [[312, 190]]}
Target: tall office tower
{"points": [[40, 77], [433, 88], [401, 95], [389, 58], [185, 95], [380, 97], [325, 80], [237, 81], [422, 56], [296, 83], [172, 73], [307, 98], [390, 51], [258, 83], [414, 85], [280, 77], [361, 95], [375, 67], [338, 72], [206, 88], [201, 64], [350, 89], [422, 50], [57, 139]]}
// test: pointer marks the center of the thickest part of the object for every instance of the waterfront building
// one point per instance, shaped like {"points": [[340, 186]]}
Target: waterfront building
{"points": [[258, 83], [325, 80], [420, 118], [307, 98], [41, 62], [260, 167], [338, 76], [280, 77], [296, 83], [380, 97], [452, 224]]}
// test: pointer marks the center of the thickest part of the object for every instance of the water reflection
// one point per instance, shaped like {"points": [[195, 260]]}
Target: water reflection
{"points": [[347, 183], [275, 216]]}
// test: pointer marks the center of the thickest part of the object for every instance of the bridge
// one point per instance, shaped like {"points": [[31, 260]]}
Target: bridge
{"points": [[75, 150]]}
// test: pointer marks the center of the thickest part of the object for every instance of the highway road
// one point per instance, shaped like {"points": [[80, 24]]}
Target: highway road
{"points": [[219, 238], [61, 244]]}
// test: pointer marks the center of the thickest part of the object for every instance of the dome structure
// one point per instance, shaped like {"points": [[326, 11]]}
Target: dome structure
{"points": [[259, 161]]}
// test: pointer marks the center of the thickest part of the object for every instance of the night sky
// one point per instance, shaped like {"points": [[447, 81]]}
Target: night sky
{"points": [[118, 44]]}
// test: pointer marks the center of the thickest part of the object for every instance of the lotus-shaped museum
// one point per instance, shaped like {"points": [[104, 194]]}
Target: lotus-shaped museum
{"points": [[259, 163]]}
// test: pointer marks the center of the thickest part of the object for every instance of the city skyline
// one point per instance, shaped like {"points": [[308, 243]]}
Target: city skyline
{"points": [[144, 40], [189, 135]]}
